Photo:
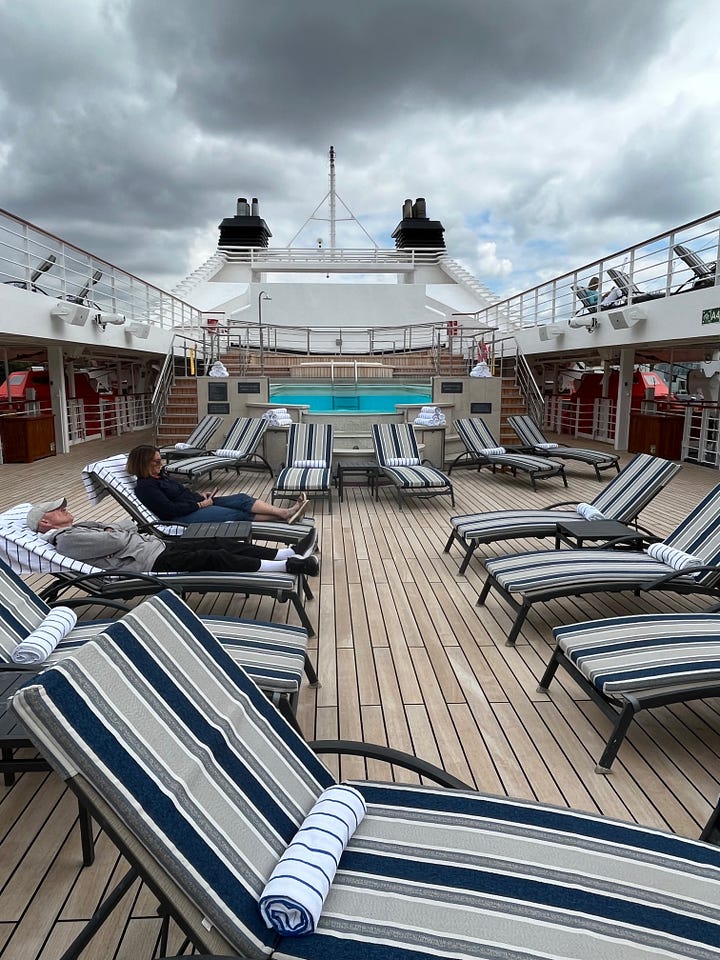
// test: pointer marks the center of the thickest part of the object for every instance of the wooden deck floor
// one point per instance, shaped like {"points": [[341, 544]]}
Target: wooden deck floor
{"points": [[405, 658]]}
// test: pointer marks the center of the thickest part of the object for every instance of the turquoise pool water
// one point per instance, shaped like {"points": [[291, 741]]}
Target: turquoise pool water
{"points": [[351, 398]]}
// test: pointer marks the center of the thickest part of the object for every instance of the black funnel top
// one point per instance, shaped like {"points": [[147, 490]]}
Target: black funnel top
{"points": [[245, 229], [416, 230]]}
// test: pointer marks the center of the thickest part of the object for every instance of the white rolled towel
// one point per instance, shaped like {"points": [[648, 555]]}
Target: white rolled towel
{"points": [[588, 512], [402, 462], [312, 464], [493, 451], [39, 644], [183, 446], [677, 559], [293, 898], [546, 446], [227, 452]]}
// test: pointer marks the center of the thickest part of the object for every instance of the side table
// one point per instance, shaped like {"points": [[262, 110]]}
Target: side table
{"points": [[13, 737], [576, 532], [345, 469]]}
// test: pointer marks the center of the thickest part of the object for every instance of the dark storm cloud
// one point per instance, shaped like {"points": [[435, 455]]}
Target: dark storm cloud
{"points": [[130, 127], [298, 70]]}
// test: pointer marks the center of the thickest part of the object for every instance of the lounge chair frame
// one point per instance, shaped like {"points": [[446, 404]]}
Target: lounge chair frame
{"points": [[478, 439], [310, 442], [398, 440], [623, 636], [591, 570], [27, 552], [516, 863], [197, 441], [623, 499], [531, 436], [244, 436]]}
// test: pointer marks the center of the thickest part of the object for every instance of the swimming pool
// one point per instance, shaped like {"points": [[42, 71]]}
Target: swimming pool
{"points": [[351, 398]]}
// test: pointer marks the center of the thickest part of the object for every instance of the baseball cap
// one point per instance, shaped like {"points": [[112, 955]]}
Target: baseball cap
{"points": [[38, 511]]}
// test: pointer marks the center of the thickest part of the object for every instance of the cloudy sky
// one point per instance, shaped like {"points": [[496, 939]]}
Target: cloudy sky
{"points": [[542, 133]]}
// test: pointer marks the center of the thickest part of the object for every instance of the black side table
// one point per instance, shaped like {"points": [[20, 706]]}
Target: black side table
{"points": [[369, 471], [13, 737], [576, 532]]}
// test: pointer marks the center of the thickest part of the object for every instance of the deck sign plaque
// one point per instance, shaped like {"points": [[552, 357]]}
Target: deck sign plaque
{"points": [[711, 316]]}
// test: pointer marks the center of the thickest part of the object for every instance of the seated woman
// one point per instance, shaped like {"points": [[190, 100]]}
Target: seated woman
{"points": [[170, 500]]}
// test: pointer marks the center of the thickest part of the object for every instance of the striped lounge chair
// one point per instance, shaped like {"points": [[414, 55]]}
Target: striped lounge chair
{"points": [[623, 499], [690, 564], [308, 463], [398, 455], [109, 478], [535, 441], [202, 785], [273, 654], [483, 450], [197, 442], [27, 552], [628, 664], [238, 451]]}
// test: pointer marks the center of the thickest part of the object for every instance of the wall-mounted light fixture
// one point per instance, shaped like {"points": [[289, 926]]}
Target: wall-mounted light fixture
{"points": [[138, 329], [550, 331], [74, 313], [116, 319], [588, 321]]}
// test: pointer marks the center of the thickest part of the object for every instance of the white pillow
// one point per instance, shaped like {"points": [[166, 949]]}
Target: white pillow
{"points": [[402, 462], [677, 559], [294, 895], [39, 644], [493, 451], [315, 464], [546, 446], [588, 512]]}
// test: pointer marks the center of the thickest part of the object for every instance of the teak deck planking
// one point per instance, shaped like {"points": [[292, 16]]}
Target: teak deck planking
{"points": [[406, 658]]}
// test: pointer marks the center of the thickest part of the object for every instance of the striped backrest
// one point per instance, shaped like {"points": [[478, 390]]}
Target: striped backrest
{"points": [[475, 434], [528, 431], [699, 535], [196, 763], [394, 441], [631, 490], [204, 430], [109, 477], [21, 611], [27, 552], [309, 441], [244, 435]]}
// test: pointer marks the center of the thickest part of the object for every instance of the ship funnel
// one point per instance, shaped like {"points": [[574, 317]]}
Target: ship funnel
{"points": [[415, 230], [246, 228]]}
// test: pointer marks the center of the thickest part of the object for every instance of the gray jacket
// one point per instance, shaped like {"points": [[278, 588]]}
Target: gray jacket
{"points": [[110, 546]]}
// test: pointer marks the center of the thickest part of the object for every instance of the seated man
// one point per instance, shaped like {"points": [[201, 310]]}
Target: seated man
{"points": [[170, 500], [118, 546]]}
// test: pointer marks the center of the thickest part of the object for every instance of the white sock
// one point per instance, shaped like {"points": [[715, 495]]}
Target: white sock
{"points": [[272, 566], [284, 553]]}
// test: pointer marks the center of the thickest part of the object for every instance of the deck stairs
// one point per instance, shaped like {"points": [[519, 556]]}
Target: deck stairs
{"points": [[181, 415]]}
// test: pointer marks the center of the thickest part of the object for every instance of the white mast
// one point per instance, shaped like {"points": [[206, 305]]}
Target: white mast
{"points": [[332, 198]]}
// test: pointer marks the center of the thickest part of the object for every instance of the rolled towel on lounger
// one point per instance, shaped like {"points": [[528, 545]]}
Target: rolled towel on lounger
{"points": [[183, 446], [310, 464], [402, 462], [546, 446], [588, 512], [293, 898], [227, 452], [493, 451], [39, 644], [677, 559]]}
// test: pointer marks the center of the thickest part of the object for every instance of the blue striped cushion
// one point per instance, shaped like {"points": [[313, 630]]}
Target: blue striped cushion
{"points": [[421, 478], [307, 479], [232, 782], [626, 655], [429, 872], [433, 873]]}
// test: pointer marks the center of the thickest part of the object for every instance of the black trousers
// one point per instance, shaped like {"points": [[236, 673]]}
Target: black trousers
{"points": [[218, 555]]}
